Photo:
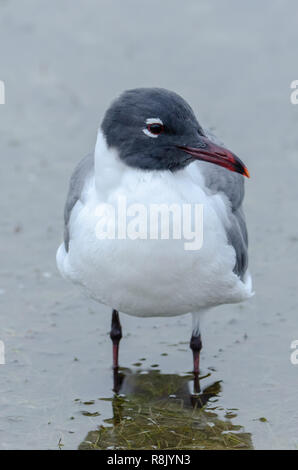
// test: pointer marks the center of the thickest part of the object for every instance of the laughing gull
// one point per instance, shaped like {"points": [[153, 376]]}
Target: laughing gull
{"points": [[152, 150]]}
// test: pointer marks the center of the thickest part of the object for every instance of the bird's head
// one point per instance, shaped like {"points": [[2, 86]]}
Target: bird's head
{"points": [[155, 129]]}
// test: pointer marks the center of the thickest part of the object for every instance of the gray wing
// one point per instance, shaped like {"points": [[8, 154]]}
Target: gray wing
{"points": [[218, 179], [76, 185]]}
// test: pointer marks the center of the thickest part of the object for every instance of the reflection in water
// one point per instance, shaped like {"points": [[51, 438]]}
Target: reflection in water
{"points": [[158, 411]]}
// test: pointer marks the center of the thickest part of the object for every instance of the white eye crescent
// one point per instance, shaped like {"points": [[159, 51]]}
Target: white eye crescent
{"points": [[154, 127]]}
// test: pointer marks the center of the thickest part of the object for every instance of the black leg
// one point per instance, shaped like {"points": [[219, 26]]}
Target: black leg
{"points": [[196, 346], [115, 335]]}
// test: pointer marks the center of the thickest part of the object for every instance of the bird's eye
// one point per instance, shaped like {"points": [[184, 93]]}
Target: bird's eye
{"points": [[154, 127]]}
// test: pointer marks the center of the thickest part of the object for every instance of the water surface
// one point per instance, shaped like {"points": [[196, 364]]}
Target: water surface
{"points": [[62, 64]]}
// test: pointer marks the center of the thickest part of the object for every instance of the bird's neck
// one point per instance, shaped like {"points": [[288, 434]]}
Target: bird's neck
{"points": [[108, 167]]}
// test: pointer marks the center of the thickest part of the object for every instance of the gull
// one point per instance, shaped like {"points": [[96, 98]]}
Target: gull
{"points": [[151, 150]]}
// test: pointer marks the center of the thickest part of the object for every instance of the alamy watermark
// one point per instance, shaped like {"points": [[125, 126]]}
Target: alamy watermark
{"points": [[2, 353], [294, 354], [294, 94], [2, 92], [153, 221]]}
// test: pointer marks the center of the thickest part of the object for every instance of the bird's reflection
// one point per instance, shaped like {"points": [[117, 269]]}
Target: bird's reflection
{"points": [[166, 411], [197, 397]]}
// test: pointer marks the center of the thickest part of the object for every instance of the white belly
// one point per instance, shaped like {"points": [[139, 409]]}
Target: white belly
{"points": [[153, 277]]}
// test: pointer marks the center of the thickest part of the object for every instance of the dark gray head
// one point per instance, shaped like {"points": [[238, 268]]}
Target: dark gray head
{"points": [[155, 129]]}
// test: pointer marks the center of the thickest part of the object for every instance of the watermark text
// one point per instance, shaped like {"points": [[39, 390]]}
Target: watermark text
{"points": [[294, 94], [154, 221], [2, 353]]}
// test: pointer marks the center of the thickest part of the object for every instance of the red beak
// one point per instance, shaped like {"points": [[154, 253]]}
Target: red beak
{"points": [[207, 151]]}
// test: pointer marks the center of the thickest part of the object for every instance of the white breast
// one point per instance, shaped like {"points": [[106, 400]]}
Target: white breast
{"points": [[147, 277]]}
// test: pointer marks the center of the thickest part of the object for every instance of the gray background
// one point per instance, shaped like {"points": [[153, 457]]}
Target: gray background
{"points": [[62, 63]]}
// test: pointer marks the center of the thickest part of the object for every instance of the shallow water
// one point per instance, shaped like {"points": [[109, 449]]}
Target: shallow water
{"points": [[160, 411], [235, 67]]}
